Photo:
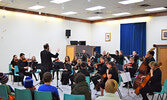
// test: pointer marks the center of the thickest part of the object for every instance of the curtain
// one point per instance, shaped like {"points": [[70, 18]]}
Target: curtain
{"points": [[133, 38]]}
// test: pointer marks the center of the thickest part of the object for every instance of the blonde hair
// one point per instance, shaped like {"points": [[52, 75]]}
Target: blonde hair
{"points": [[111, 86], [152, 63]]}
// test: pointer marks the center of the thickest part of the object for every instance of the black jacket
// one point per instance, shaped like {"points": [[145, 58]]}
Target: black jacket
{"points": [[46, 60], [102, 69], [21, 66], [155, 80], [84, 71]]}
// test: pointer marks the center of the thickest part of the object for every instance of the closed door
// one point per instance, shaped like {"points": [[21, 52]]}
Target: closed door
{"points": [[162, 57]]}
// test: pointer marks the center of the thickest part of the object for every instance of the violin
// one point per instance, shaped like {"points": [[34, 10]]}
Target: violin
{"points": [[16, 60], [129, 64], [25, 60]]}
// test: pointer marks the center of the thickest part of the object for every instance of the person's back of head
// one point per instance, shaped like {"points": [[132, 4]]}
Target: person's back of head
{"points": [[28, 83], [111, 86], [47, 77], [79, 78], [3, 78], [83, 65]]}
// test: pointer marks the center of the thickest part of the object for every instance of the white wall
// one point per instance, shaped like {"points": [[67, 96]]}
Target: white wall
{"points": [[27, 33], [154, 26]]}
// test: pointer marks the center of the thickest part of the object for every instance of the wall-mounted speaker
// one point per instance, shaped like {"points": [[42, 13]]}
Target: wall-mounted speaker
{"points": [[68, 33]]}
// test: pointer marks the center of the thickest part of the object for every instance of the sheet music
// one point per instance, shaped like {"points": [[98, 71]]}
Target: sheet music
{"points": [[29, 69], [126, 77], [127, 60]]}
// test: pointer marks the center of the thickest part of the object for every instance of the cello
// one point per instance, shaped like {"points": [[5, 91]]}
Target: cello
{"points": [[143, 71]]}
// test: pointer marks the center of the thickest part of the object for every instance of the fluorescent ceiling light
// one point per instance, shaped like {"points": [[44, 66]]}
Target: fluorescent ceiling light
{"points": [[95, 8], [95, 17], [36, 7], [59, 1], [130, 1], [155, 9], [120, 14], [69, 13]]}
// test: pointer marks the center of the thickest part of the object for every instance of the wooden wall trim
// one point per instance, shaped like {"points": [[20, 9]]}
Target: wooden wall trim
{"points": [[45, 14], [133, 16], [164, 13]]}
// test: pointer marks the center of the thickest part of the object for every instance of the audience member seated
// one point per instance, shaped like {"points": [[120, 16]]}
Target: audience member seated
{"points": [[81, 86], [83, 69], [3, 80], [28, 84], [111, 87], [46, 87]]}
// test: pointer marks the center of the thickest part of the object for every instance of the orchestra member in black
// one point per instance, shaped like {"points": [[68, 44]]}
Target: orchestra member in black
{"points": [[108, 56], [57, 64], [131, 68], [90, 67], [12, 64], [104, 54], [154, 84], [74, 62], [112, 73], [135, 56], [95, 57], [78, 65], [46, 60], [83, 69], [84, 55], [119, 58], [67, 71], [149, 57], [101, 70], [23, 67], [33, 65]]}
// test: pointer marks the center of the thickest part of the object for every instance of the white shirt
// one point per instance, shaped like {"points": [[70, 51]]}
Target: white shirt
{"points": [[108, 96]]}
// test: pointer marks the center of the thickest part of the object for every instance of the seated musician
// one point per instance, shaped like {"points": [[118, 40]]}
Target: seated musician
{"points": [[90, 65], [83, 69], [119, 58], [102, 69], [108, 56], [95, 57], [78, 65], [74, 62], [148, 58], [67, 71], [135, 56], [33, 65], [23, 67], [12, 64], [57, 64], [112, 73], [132, 68], [154, 84]]}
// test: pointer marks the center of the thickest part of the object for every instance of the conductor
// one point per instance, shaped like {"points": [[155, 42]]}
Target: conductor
{"points": [[46, 60]]}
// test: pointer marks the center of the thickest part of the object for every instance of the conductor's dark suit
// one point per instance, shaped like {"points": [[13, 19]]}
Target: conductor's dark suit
{"points": [[46, 61]]}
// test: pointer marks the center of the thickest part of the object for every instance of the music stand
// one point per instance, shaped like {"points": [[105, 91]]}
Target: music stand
{"points": [[126, 78], [58, 66]]}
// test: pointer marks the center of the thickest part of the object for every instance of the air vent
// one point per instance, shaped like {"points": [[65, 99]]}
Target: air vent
{"points": [[144, 5], [98, 12]]}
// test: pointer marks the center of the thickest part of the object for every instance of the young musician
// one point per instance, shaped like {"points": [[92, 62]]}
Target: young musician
{"points": [[83, 69], [104, 54], [33, 65], [46, 60], [148, 58], [135, 56], [112, 73], [23, 67], [90, 65], [12, 64], [67, 71], [154, 84], [74, 62], [108, 56], [101, 68], [132, 68]]}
